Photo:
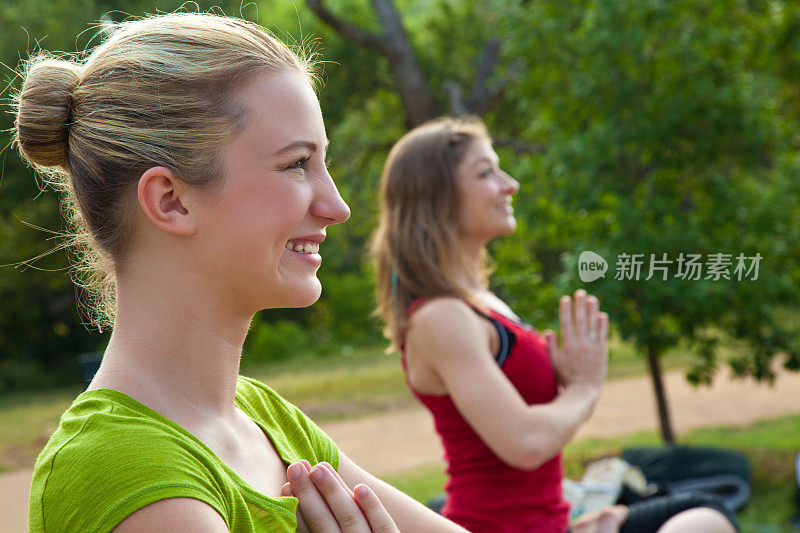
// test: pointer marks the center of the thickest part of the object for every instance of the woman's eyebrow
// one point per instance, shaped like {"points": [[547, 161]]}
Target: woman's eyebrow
{"points": [[294, 145]]}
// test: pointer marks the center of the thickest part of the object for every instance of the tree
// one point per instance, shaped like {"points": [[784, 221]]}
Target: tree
{"points": [[411, 82]]}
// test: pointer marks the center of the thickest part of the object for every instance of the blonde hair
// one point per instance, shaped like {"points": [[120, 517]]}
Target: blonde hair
{"points": [[416, 245], [160, 91]]}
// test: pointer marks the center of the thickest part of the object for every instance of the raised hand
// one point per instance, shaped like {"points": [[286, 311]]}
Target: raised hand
{"points": [[583, 357], [327, 505]]}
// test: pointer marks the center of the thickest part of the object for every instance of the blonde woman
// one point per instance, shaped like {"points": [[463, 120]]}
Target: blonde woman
{"points": [[190, 149], [505, 400]]}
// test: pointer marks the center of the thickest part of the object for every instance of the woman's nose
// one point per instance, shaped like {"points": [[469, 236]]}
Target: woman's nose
{"points": [[510, 185], [329, 204]]}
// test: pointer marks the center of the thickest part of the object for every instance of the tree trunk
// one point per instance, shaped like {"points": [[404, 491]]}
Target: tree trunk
{"points": [[411, 83], [661, 398]]}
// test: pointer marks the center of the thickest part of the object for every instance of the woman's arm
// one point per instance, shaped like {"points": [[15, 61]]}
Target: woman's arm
{"points": [[181, 515], [452, 340], [408, 514]]}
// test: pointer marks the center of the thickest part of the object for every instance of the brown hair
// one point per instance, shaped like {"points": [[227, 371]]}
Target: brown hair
{"points": [[416, 245], [160, 91]]}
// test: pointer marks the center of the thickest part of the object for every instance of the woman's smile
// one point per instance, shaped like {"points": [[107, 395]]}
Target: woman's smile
{"points": [[505, 207], [304, 250]]}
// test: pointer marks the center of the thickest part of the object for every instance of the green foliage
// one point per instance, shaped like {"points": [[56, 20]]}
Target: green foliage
{"points": [[347, 307], [276, 341], [40, 328]]}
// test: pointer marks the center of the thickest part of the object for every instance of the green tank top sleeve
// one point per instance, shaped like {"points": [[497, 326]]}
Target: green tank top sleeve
{"points": [[112, 455]]}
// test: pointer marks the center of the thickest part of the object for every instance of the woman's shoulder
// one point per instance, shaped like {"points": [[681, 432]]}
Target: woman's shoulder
{"points": [[444, 316], [439, 309], [444, 325], [100, 421], [109, 456]]}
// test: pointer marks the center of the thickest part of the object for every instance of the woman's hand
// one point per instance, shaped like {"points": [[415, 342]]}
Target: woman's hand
{"points": [[603, 520], [583, 357], [326, 503]]}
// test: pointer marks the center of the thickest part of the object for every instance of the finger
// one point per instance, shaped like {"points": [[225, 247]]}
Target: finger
{"points": [[341, 503], [565, 317], [592, 306], [603, 321], [301, 524], [580, 313], [313, 508], [337, 476], [552, 344], [286, 490], [341, 481], [376, 513]]}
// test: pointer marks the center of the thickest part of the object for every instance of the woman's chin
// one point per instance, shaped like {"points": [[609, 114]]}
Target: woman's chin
{"points": [[294, 296], [304, 296], [509, 229]]}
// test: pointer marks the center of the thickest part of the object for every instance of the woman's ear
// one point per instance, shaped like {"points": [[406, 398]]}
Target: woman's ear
{"points": [[165, 201]]}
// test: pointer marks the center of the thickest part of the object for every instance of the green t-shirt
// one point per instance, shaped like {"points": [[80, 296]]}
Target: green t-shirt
{"points": [[112, 455]]}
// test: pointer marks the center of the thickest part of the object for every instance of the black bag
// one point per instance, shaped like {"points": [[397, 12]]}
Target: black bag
{"points": [[682, 469]]}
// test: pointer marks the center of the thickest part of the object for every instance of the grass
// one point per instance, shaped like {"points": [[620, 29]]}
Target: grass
{"points": [[422, 483], [770, 445]]}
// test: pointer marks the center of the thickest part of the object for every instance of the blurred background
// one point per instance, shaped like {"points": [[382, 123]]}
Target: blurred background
{"points": [[646, 127]]}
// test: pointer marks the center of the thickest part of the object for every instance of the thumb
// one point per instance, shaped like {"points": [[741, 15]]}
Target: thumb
{"points": [[552, 343]]}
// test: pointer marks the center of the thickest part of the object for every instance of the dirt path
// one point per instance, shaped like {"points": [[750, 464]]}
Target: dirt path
{"points": [[395, 442]]}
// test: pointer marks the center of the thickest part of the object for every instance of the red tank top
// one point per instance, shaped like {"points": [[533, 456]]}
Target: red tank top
{"points": [[484, 494]]}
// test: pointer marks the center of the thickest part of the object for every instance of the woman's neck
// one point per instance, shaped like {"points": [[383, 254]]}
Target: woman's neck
{"points": [[473, 263], [174, 349]]}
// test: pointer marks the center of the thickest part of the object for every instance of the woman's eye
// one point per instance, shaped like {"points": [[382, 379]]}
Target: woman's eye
{"points": [[300, 163], [485, 173]]}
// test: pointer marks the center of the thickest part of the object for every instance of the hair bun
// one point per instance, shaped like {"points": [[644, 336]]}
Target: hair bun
{"points": [[43, 111]]}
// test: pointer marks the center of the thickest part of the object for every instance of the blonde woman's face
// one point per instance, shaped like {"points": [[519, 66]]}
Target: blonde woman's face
{"points": [[263, 227], [485, 192]]}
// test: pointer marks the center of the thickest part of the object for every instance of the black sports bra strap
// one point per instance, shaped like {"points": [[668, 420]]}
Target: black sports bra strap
{"points": [[507, 338]]}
